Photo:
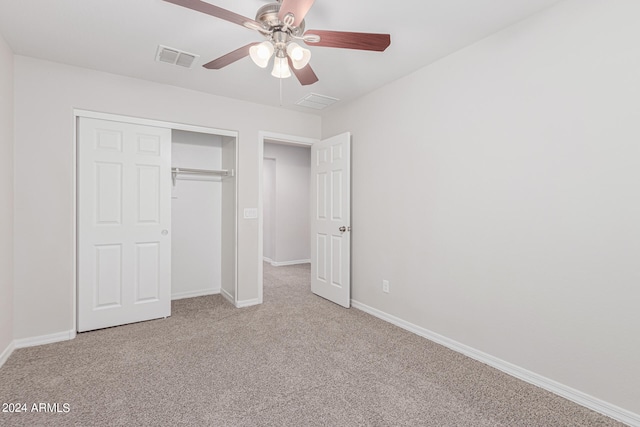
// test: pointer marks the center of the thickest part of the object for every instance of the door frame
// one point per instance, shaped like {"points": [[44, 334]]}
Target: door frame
{"points": [[80, 113], [265, 136]]}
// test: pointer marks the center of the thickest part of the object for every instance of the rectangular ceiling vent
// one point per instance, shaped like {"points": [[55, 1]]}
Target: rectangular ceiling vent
{"points": [[317, 102], [175, 56]]}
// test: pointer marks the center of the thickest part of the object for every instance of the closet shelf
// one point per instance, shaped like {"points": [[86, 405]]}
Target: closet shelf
{"points": [[208, 172]]}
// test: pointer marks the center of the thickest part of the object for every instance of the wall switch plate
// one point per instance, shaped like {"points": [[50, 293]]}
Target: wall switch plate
{"points": [[385, 286], [250, 213]]}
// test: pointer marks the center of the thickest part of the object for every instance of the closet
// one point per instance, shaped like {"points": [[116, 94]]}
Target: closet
{"points": [[156, 217], [203, 178]]}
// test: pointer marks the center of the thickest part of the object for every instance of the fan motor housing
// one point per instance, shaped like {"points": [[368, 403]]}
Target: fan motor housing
{"points": [[268, 15]]}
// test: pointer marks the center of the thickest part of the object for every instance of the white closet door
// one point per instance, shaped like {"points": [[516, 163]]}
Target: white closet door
{"points": [[124, 219], [331, 219]]}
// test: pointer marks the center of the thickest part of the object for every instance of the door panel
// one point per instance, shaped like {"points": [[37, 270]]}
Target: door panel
{"points": [[331, 245], [148, 194], [149, 145], [124, 217], [336, 195], [319, 259], [147, 272], [108, 193], [336, 260], [108, 140], [108, 283], [321, 197]]}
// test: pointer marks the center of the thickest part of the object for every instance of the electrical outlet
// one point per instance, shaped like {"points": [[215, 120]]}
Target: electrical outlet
{"points": [[385, 286], [250, 213]]}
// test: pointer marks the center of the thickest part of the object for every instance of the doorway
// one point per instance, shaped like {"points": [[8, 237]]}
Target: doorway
{"points": [[273, 146], [329, 213], [286, 222]]}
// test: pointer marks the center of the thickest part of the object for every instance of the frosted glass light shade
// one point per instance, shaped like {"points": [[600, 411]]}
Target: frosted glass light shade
{"points": [[299, 56], [261, 53], [281, 68]]}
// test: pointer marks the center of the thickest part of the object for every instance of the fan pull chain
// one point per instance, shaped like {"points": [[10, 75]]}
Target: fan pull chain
{"points": [[280, 92]]}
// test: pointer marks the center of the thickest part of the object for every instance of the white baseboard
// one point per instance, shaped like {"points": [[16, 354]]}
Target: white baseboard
{"points": [[294, 262], [240, 304], [248, 303], [227, 296], [555, 387], [6, 353], [193, 294], [269, 260], [45, 339]]}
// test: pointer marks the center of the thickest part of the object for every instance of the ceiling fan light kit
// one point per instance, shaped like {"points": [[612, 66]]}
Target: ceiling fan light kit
{"points": [[299, 55], [261, 53], [280, 43], [283, 24], [281, 68]]}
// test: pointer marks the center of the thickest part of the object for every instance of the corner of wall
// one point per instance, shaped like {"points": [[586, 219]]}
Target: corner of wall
{"points": [[7, 109], [6, 353]]}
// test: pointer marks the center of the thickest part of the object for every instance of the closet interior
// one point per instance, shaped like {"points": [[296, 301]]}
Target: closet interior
{"points": [[203, 215]]}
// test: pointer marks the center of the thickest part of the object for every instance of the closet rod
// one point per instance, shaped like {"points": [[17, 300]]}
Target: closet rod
{"points": [[222, 172], [176, 171]]}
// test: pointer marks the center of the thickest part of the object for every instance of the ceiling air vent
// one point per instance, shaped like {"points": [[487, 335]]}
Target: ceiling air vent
{"points": [[175, 56], [317, 102]]}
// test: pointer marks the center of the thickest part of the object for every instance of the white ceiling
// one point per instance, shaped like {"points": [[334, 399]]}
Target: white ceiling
{"points": [[121, 37]]}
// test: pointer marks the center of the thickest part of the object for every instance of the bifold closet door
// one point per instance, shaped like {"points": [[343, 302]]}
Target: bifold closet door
{"points": [[124, 221]]}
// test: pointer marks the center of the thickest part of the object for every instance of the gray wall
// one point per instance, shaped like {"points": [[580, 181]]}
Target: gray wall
{"points": [[46, 94], [290, 234], [6, 197], [497, 191]]}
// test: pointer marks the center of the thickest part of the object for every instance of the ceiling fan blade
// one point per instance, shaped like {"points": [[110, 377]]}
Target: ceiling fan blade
{"points": [[347, 40], [298, 8], [229, 58], [216, 11], [305, 75]]}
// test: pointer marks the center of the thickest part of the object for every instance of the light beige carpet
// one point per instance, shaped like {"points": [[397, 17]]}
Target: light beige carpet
{"points": [[296, 360]]}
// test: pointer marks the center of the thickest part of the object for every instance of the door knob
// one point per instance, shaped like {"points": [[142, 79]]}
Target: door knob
{"points": [[342, 229], [164, 232]]}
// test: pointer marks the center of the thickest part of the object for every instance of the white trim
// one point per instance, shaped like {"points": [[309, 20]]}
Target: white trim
{"points": [[248, 302], [45, 339], [282, 138], [237, 213], [261, 136], [284, 263], [74, 229], [286, 139], [294, 262], [555, 387], [194, 294], [227, 296], [152, 122], [6, 353]]}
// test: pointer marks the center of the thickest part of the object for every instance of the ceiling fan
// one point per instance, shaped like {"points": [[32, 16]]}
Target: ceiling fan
{"points": [[282, 23]]}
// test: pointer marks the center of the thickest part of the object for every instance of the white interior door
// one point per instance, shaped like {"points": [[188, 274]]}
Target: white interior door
{"points": [[124, 218], [331, 219]]}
